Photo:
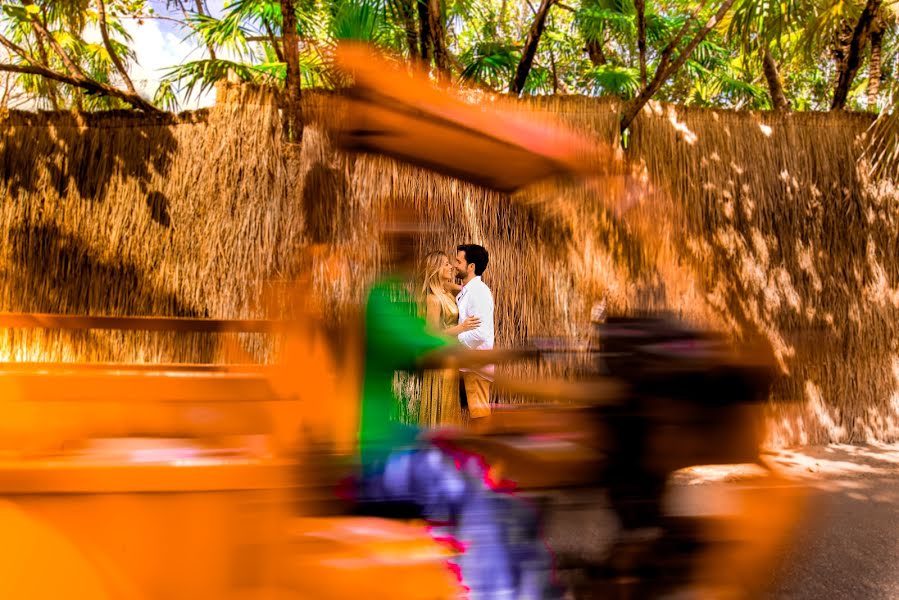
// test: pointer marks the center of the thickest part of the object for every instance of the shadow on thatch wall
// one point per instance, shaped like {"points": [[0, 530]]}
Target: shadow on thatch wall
{"points": [[794, 242], [119, 213], [757, 223]]}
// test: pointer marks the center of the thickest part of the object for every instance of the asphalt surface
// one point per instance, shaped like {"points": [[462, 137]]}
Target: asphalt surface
{"points": [[846, 543], [826, 527]]}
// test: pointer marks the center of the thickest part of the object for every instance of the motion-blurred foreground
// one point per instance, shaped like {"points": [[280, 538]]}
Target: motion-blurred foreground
{"points": [[243, 481], [127, 481]]}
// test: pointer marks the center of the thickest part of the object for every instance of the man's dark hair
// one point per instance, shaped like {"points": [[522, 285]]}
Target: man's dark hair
{"points": [[475, 254]]}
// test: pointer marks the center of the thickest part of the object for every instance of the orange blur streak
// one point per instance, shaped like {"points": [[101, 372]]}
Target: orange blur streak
{"points": [[754, 537]]}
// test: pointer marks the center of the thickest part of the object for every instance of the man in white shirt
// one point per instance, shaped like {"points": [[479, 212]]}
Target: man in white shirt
{"points": [[475, 299]]}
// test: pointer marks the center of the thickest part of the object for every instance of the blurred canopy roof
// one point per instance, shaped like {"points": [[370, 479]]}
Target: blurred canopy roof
{"points": [[409, 118]]}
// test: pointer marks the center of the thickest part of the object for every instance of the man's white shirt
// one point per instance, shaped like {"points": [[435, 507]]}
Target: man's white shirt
{"points": [[476, 300]]}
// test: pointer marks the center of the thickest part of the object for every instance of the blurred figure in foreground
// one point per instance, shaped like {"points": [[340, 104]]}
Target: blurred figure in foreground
{"points": [[402, 476]]}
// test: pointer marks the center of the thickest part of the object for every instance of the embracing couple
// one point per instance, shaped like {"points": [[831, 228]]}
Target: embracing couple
{"points": [[463, 312]]}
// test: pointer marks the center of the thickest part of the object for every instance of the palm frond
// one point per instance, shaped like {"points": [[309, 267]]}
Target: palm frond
{"points": [[539, 81], [489, 63], [594, 22], [165, 96], [660, 28], [882, 152], [227, 33], [359, 20], [202, 75], [623, 82]]}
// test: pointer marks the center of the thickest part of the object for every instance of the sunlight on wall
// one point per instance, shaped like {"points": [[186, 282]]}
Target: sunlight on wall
{"points": [[819, 410], [12, 350], [681, 127], [878, 290]]}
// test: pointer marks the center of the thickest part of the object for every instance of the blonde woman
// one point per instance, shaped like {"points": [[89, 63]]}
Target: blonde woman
{"points": [[440, 400]]}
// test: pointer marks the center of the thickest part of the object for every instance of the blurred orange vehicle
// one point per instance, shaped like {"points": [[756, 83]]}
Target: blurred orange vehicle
{"points": [[660, 396], [173, 481]]}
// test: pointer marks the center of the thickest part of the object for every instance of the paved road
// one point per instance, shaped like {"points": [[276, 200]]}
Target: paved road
{"points": [[846, 544], [841, 503]]}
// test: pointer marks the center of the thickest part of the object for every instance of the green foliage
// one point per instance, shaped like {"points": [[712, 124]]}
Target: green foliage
{"points": [[588, 46], [489, 63], [596, 22], [364, 21], [202, 75], [607, 80], [72, 27], [249, 32]]}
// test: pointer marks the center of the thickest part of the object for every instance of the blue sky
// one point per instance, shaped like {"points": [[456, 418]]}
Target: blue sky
{"points": [[160, 44]]}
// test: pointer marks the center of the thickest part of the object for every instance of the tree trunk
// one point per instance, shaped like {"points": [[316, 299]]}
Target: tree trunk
{"points": [[595, 52], [502, 16], [841, 46], [668, 67], [876, 61], [51, 85], [292, 120], [201, 10], [852, 59], [640, 8], [78, 81], [406, 9], [437, 31], [530, 46], [775, 87], [45, 59], [424, 30], [107, 43]]}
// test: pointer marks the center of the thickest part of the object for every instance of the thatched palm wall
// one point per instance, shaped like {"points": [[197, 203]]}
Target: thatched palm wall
{"points": [[756, 223], [790, 239], [124, 214]]}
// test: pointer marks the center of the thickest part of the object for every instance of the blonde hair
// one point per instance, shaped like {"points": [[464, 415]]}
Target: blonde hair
{"points": [[430, 274], [431, 282]]}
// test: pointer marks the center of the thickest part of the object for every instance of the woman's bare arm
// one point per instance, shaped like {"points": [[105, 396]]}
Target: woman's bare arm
{"points": [[469, 324], [432, 312]]}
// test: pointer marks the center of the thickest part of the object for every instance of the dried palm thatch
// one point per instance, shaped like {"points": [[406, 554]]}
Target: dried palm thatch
{"points": [[881, 154], [791, 241], [757, 224], [750, 223], [556, 248], [125, 214], [547, 226]]}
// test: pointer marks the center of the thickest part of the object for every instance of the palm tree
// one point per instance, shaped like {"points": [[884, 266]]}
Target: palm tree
{"points": [[807, 53], [761, 30], [884, 25], [530, 46], [46, 46], [250, 33], [850, 56], [606, 26]]}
